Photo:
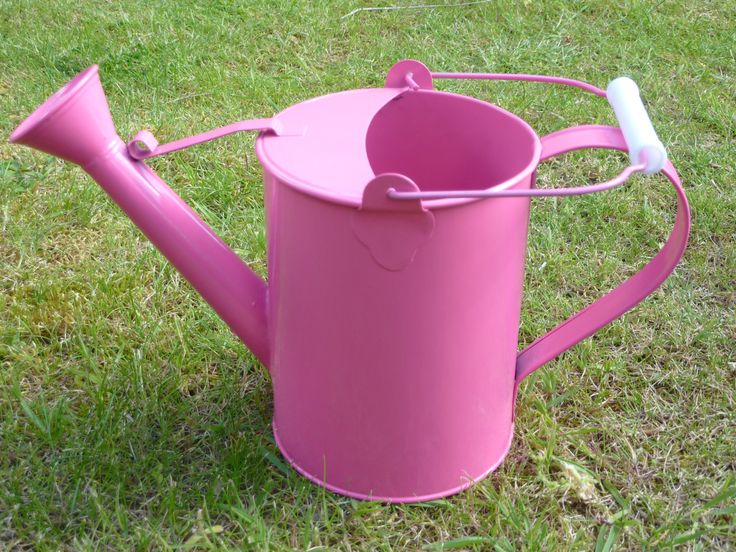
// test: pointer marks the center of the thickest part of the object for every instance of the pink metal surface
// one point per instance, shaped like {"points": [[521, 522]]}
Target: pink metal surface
{"points": [[390, 327], [392, 240], [328, 161], [409, 73]]}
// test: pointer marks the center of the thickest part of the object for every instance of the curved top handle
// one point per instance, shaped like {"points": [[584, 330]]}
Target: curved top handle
{"points": [[646, 152], [622, 177]]}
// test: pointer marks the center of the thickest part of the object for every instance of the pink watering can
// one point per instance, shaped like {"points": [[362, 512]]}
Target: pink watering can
{"points": [[397, 229]]}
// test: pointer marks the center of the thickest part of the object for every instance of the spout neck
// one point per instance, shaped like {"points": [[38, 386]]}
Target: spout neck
{"points": [[115, 147], [235, 292]]}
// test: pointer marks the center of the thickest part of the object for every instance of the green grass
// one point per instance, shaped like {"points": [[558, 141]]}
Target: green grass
{"points": [[130, 418]]}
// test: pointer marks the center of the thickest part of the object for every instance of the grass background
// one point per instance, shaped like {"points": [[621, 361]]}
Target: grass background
{"points": [[131, 418]]}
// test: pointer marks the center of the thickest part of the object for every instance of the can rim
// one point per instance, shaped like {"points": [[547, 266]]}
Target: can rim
{"points": [[326, 195]]}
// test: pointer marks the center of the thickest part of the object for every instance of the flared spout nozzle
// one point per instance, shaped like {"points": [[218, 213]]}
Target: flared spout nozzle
{"points": [[74, 123]]}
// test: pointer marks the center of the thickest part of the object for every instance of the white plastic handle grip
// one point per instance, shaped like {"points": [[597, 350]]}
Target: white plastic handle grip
{"points": [[641, 139]]}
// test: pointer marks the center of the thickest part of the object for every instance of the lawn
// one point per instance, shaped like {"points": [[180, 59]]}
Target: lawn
{"points": [[130, 416]]}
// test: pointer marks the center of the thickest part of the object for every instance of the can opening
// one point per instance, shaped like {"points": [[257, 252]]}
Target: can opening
{"points": [[445, 141]]}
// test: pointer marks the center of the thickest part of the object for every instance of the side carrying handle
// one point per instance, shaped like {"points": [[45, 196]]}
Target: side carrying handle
{"points": [[632, 291]]}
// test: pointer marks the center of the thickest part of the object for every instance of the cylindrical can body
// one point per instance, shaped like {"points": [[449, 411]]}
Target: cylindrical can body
{"points": [[394, 377], [394, 384]]}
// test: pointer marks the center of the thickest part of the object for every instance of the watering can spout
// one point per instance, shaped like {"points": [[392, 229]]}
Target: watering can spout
{"points": [[75, 124]]}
